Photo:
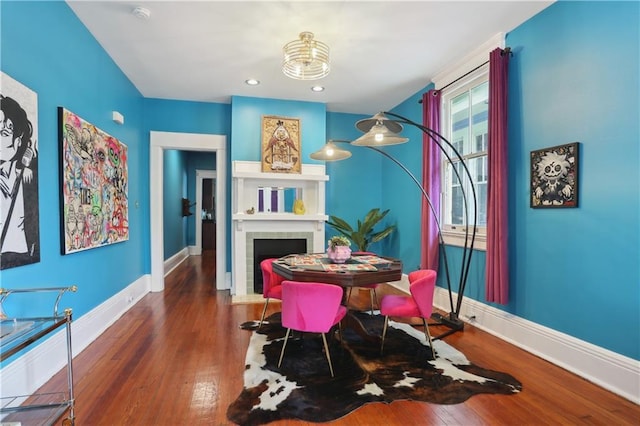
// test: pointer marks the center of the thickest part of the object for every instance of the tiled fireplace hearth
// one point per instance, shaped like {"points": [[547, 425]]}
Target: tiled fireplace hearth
{"points": [[250, 225]]}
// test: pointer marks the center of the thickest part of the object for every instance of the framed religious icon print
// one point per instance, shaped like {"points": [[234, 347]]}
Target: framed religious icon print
{"points": [[281, 145]]}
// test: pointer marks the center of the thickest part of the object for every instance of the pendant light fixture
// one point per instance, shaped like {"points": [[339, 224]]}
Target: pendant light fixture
{"points": [[306, 59], [330, 152]]}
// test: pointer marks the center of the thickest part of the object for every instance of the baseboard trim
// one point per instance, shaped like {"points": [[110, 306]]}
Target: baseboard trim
{"points": [[610, 370], [605, 368], [174, 261]]}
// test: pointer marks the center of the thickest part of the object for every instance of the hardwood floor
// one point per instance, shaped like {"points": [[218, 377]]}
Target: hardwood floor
{"points": [[177, 358]]}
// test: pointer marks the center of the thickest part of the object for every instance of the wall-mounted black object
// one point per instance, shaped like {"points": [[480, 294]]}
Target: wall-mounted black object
{"points": [[186, 205]]}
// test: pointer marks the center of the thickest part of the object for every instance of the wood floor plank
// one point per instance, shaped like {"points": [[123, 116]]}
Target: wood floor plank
{"points": [[177, 358]]}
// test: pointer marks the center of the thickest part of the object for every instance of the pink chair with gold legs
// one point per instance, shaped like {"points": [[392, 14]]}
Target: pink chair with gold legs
{"points": [[422, 284], [271, 288], [312, 308]]}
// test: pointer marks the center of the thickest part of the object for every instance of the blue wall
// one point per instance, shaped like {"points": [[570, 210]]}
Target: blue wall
{"points": [[184, 117], [574, 77], [174, 190], [47, 49], [246, 126], [354, 185]]}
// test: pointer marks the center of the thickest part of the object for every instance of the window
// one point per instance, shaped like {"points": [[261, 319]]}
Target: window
{"points": [[465, 125]]}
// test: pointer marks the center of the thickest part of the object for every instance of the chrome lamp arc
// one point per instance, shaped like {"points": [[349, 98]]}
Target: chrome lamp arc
{"points": [[383, 129]]}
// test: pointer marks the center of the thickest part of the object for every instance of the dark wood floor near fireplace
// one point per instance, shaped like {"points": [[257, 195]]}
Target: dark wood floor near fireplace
{"points": [[177, 358]]}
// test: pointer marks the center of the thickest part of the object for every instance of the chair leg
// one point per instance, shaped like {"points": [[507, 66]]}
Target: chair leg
{"points": [[374, 296], [340, 331], [284, 344], [349, 296], [428, 336], [326, 350], [264, 311], [384, 333]]}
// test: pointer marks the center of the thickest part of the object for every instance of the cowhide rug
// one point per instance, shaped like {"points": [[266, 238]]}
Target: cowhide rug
{"points": [[304, 389]]}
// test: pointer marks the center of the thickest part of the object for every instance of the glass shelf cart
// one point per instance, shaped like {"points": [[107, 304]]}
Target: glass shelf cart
{"points": [[17, 334]]}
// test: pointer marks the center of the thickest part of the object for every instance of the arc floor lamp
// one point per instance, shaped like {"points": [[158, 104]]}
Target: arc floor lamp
{"points": [[383, 129]]}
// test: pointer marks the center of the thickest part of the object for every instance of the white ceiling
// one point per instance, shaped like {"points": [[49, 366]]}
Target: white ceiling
{"points": [[382, 52]]}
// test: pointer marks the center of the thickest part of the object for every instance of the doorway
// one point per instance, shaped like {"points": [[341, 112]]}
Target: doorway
{"points": [[206, 224], [160, 141]]}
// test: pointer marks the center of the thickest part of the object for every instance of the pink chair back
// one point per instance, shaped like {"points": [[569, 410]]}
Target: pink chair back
{"points": [[416, 275], [311, 307], [422, 290], [269, 278]]}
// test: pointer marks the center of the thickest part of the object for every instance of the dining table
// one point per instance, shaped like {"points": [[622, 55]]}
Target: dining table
{"points": [[357, 271]]}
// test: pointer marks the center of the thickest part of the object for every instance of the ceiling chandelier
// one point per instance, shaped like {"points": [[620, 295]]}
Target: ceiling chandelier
{"points": [[306, 59]]}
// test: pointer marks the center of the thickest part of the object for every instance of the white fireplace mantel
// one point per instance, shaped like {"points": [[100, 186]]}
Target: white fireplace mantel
{"points": [[249, 223]]}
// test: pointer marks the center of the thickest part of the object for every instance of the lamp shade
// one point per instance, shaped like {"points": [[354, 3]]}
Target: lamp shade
{"points": [[329, 152], [366, 124], [306, 59], [380, 135]]}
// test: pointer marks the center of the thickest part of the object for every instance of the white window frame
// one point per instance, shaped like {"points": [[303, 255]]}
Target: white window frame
{"points": [[456, 237], [455, 234]]}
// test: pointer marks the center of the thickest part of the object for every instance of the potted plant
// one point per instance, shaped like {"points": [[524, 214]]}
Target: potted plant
{"points": [[364, 234], [338, 250]]}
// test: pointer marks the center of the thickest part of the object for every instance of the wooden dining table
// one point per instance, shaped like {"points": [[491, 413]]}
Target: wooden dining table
{"points": [[359, 270]]}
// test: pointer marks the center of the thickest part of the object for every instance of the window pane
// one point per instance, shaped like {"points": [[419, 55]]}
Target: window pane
{"points": [[457, 208], [454, 177], [458, 144], [466, 118], [460, 122], [481, 189], [478, 168], [481, 142], [480, 109]]}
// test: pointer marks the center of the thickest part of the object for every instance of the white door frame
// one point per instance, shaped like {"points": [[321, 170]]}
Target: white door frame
{"points": [[159, 141], [200, 176]]}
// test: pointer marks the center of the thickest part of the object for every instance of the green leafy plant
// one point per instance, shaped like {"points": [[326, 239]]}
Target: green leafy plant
{"points": [[364, 234], [339, 240]]}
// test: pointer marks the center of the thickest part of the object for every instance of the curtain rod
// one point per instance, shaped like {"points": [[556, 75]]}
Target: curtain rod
{"points": [[506, 50]]}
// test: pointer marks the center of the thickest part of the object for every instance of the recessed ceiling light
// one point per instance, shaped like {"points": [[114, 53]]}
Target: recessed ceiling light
{"points": [[252, 82], [317, 89], [141, 13]]}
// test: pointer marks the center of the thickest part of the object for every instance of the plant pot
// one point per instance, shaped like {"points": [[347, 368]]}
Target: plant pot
{"points": [[339, 254]]}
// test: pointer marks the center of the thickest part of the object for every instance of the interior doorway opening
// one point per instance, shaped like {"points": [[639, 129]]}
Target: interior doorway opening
{"points": [[159, 142]]}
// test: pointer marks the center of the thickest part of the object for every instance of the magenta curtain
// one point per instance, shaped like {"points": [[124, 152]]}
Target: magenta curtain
{"points": [[497, 272], [430, 181]]}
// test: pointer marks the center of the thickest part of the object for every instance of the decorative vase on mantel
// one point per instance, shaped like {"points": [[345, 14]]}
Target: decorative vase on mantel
{"points": [[338, 250]]}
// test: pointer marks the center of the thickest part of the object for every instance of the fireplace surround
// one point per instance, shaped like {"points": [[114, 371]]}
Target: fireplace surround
{"points": [[248, 224]]}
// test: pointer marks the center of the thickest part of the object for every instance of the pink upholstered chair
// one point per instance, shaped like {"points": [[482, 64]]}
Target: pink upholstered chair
{"points": [[312, 308], [372, 287], [422, 284], [271, 288]]}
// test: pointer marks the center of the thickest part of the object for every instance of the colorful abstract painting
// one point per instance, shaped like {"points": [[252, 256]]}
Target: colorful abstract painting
{"points": [[94, 181]]}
